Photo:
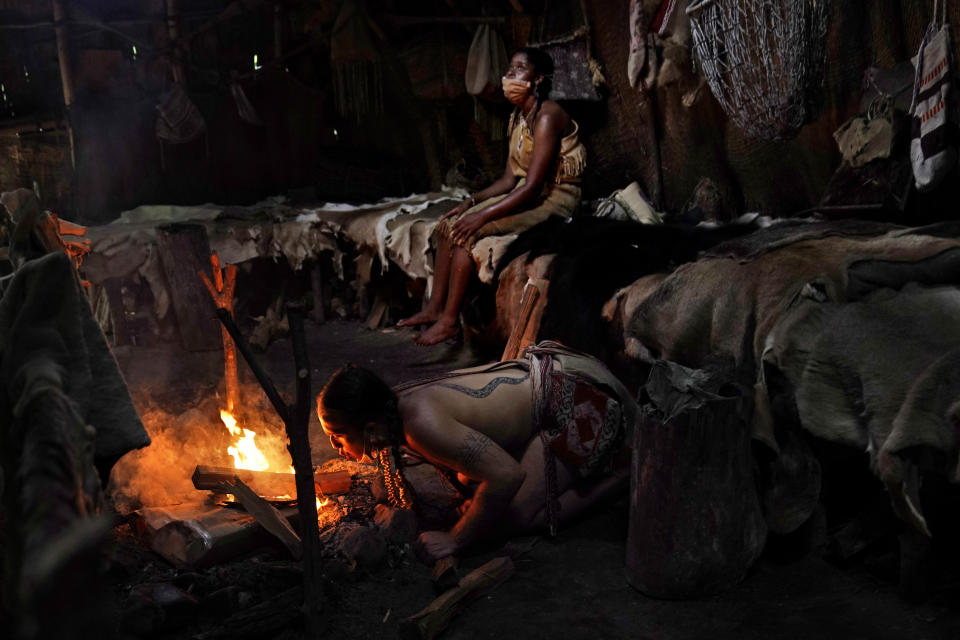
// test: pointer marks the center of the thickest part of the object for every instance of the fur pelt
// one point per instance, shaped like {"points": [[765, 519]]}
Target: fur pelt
{"points": [[597, 256]]}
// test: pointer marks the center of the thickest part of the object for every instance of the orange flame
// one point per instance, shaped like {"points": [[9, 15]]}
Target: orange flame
{"points": [[244, 450]]}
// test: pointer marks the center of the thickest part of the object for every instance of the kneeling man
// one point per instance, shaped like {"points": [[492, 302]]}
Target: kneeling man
{"points": [[539, 438]]}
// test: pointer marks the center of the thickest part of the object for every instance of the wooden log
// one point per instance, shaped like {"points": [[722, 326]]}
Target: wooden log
{"points": [[184, 251], [268, 517], [445, 575], [198, 536], [695, 520], [434, 618], [269, 483]]}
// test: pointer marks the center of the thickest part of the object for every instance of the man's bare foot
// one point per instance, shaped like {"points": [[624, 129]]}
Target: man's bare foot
{"points": [[424, 317], [441, 330]]}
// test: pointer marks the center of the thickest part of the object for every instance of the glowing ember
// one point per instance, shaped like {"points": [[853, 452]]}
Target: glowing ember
{"points": [[244, 450]]}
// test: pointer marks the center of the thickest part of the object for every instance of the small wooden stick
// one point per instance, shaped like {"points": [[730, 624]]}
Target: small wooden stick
{"points": [[433, 619]]}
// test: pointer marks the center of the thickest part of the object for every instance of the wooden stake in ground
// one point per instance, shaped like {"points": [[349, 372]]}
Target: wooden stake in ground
{"points": [[296, 419], [221, 290]]}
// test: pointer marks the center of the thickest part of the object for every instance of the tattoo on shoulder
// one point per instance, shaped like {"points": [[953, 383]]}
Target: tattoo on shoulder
{"points": [[487, 389], [473, 447]]}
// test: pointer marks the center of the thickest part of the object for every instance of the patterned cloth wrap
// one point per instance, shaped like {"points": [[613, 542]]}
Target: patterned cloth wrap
{"points": [[580, 423], [583, 413]]}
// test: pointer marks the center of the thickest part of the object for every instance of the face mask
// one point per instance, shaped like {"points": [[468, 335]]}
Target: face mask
{"points": [[515, 90]]}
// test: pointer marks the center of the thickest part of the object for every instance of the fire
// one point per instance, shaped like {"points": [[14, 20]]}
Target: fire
{"points": [[244, 450], [327, 512]]}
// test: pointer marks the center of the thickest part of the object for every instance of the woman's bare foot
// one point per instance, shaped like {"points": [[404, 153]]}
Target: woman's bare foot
{"points": [[441, 330], [424, 317]]}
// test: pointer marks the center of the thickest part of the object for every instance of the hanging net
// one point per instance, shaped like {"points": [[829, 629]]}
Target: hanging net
{"points": [[763, 60]]}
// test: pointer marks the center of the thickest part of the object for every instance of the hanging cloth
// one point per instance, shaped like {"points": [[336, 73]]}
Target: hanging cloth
{"points": [[355, 61], [244, 107], [933, 124], [486, 61], [179, 119]]}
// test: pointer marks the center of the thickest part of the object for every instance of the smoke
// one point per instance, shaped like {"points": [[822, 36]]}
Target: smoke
{"points": [[160, 474]]}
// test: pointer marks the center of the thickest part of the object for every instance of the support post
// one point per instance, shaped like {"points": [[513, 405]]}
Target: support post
{"points": [[173, 32], [296, 419], [221, 290], [303, 468], [66, 73]]}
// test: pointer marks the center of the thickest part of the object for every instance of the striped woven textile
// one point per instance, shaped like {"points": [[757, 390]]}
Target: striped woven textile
{"points": [[933, 127]]}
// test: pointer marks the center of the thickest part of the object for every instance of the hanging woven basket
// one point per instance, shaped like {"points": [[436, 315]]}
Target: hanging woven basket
{"points": [[763, 60]]}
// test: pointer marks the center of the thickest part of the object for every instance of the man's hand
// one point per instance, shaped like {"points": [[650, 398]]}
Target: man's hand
{"points": [[466, 227], [434, 545]]}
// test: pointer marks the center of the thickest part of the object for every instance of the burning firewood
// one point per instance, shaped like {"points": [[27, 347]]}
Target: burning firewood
{"points": [[264, 513], [268, 483]]}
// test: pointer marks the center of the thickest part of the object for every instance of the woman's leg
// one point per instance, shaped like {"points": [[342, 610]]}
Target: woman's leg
{"points": [[527, 510], [462, 269], [441, 277]]}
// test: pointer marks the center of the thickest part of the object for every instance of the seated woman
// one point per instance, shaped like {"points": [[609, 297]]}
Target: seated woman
{"points": [[542, 178], [538, 438]]}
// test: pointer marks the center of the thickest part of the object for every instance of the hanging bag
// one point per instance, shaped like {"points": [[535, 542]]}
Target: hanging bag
{"points": [[933, 124]]}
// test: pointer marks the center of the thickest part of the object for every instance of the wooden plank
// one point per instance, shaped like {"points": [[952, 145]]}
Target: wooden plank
{"points": [[269, 483], [268, 517], [184, 251]]}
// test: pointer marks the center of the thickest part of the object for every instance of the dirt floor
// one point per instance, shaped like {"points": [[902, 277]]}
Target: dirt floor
{"points": [[569, 587]]}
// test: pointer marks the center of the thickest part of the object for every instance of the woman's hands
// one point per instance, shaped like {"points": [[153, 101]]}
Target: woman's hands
{"points": [[457, 210], [434, 545], [465, 227]]}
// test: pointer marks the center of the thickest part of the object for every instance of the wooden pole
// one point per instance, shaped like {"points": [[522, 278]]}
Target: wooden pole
{"points": [[66, 74], [303, 467], [173, 31], [277, 31], [221, 290], [296, 419], [261, 375]]}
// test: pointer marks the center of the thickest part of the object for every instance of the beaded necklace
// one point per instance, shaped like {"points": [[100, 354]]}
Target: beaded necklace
{"points": [[394, 481]]}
